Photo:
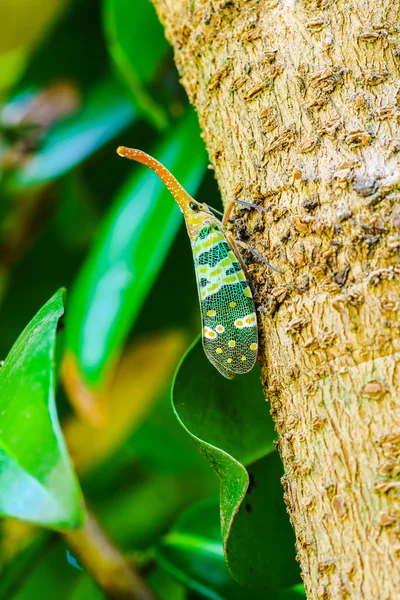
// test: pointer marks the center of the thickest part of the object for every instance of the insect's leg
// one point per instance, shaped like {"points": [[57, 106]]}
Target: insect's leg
{"points": [[255, 253], [231, 204], [228, 212], [234, 245]]}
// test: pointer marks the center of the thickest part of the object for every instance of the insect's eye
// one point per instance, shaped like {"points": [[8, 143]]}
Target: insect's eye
{"points": [[194, 206]]}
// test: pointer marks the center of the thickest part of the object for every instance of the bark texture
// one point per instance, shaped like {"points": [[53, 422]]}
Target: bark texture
{"points": [[299, 102]]}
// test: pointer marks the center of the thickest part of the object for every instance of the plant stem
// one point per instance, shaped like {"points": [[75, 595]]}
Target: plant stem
{"points": [[104, 561]]}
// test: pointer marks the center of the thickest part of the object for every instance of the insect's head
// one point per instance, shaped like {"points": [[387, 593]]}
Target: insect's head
{"points": [[195, 208], [195, 213]]}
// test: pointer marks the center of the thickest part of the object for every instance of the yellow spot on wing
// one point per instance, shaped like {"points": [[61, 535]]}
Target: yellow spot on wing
{"points": [[247, 321], [212, 287], [232, 304], [209, 333], [211, 313], [220, 328], [219, 351], [229, 360], [253, 346], [247, 292], [232, 343], [243, 358], [230, 279]]}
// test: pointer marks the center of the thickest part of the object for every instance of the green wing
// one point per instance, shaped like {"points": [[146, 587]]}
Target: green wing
{"points": [[228, 314]]}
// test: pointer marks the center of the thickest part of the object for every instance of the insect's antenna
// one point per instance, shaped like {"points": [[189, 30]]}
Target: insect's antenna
{"points": [[216, 211], [250, 204], [261, 258], [178, 192]]}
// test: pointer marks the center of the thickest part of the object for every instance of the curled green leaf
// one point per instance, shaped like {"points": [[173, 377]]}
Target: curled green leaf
{"points": [[37, 482], [230, 424]]}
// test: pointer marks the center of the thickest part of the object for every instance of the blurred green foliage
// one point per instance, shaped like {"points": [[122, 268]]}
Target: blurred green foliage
{"points": [[78, 79]]}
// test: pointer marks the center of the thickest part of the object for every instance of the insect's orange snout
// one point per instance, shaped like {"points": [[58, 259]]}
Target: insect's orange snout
{"points": [[126, 152]]}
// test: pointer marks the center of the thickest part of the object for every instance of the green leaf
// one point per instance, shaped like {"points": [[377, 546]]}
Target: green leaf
{"points": [[192, 552], [126, 258], [17, 31], [87, 589], [56, 58], [260, 546], [164, 586], [75, 205], [230, 424], [106, 111], [18, 35], [12, 64], [37, 483], [49, 577], [129, 27], [22, 561], [158, 499]]}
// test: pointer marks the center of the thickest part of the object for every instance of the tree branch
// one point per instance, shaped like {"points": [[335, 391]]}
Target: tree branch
{"points": [[298, 102], [102, 559]]}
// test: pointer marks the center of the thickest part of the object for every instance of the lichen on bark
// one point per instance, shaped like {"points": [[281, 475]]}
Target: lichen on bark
{"points": [[299, 103]]}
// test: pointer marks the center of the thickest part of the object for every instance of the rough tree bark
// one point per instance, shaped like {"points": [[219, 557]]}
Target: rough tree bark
{"points": [[299, 103]]}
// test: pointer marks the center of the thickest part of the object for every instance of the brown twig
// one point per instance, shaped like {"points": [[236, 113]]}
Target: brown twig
{"points": [[103, 560]]}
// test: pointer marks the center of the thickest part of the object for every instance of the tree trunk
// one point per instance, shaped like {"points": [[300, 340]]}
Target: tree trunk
{"points": [[299, 104]]}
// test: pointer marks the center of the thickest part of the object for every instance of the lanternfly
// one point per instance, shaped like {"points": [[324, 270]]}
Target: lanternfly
{"points": [[229, 322]]}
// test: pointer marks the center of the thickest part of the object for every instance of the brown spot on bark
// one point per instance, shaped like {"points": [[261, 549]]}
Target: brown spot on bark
{"points": [[373, 389], [339, 504]]}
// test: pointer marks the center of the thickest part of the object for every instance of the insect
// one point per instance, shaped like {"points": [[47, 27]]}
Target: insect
{"points": [[229, 321]]}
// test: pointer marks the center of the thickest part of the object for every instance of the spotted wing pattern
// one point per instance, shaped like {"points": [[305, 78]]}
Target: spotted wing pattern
{"points": [[229, 320]]}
